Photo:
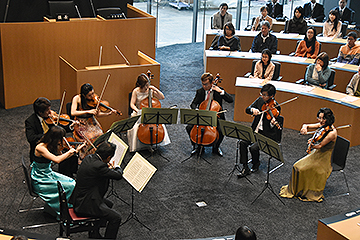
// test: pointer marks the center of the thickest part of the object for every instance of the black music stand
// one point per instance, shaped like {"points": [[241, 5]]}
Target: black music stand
{"points": [[271, 148], [158, 116], [198, 118], [240, 132]]}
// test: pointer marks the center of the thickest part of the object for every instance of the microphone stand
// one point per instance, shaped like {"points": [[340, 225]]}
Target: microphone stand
{"points": [[6, 10], [92, 8]]}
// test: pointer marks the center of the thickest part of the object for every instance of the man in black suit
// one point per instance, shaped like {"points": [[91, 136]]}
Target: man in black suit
{"points": [[275, 9], [268, 128], [264, 40], [314, 10], [91, 186], [345, 13], [204, 93], [36, 127]]}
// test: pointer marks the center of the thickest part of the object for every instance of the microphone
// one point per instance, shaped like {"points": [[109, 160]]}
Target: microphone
{"points": [[77, 10]]}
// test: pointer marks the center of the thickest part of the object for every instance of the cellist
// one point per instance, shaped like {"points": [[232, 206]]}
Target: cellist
{"points": [[141, 92], [202, 94]]}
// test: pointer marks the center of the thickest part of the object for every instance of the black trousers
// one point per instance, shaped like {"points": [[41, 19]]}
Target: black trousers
{"points": [[254, 151], [112, 218], [215, 145]]}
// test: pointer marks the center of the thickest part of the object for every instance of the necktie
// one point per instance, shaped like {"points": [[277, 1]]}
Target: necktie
{"points": [[208, 95], [45, 127]]}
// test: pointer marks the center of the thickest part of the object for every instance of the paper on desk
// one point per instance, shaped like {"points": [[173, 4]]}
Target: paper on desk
{"points": [[337, 64], [304, 88], [349, 99]]}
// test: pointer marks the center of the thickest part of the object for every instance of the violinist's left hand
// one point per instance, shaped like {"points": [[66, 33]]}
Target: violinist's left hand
{"points": [[72, 125], [273, 121]]}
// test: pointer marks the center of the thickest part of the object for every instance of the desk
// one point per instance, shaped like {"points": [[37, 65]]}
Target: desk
{"points": [[286, 42], [340, 227], [29, 65], [303, 110], [235, 64]]}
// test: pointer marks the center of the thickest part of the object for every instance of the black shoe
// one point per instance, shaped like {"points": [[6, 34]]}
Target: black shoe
{"points": [[217, 151], [255, 168], [244, 172]]}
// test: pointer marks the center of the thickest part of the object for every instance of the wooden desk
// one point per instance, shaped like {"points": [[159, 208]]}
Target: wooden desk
{"points": [[340, 227], [303, 110], [286, 42], [29, 65], [236, 64]]}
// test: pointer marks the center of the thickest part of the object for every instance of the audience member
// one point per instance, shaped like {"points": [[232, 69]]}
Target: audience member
{"points": [[221, 17], [245, 233], [332, 27], [226, 41], [263, 17], [275, 9], [353, 88], [297, 24], [264, 39], [345, 13], [350, 52], [309, 47], [264, 68], [314, 10], [319, 72]]}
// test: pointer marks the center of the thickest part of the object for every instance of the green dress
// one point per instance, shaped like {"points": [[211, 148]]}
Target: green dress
{"points": [[309, 175]]}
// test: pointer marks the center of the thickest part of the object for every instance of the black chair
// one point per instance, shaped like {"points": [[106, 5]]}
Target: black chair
{"points": [[330, 85], [69, 221], [111, 13], [211, 22], [286, 27], [62, 7], [248, 27], [343, 30], [34, 197], [338, 158], [276, 75]]}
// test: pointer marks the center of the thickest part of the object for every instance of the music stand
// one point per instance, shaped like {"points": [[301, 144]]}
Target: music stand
{"points": [[271, 148], [240, 132], [158, 116], [198, 118]]}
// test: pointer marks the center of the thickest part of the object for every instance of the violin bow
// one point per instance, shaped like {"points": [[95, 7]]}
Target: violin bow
{"points": [[340, 127], [279, 104], [102, 91], [100, 56], [127, 62], [61, 104]]}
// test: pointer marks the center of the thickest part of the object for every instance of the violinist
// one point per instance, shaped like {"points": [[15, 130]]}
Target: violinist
{"points": [[309, 174], [218, 96], [141, 92], [36, 126], [270, 128]]}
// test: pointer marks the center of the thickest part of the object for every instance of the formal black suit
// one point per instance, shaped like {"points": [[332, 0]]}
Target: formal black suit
{"points": [[91, 186], [275, 11], [346, 15], [269, 131], [200, 97], [317, 14], [34, 132]]}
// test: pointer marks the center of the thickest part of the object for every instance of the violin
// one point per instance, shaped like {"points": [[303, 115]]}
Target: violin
{"points": [[104, 106], [318, 136], [54, 117], [271, 111], [146, 132], [208, 134]]}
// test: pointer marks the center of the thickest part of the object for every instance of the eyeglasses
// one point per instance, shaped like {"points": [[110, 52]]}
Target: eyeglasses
{"points": [[264, 95]]}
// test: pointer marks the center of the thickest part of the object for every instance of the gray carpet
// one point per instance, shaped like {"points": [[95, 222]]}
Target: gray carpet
{"points": [[167, 205]]}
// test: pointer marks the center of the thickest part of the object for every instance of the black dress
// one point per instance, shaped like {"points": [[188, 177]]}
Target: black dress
{"points": [[297, 25], [221, 40]]}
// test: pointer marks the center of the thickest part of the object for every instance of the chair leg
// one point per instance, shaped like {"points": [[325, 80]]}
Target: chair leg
{"points": [[347, 186]]}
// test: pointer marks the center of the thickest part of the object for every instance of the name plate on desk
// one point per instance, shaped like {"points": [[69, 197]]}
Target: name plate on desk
{"points": [[107, 66]]}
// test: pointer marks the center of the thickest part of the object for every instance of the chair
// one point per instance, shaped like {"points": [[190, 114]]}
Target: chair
{"points": [[69, 222], [211, 22], [275, 77], [338, 158], [61, 7], [33, 195], [248, 27], [343, 30], [286, 27], [111, 13], [330, 85]]}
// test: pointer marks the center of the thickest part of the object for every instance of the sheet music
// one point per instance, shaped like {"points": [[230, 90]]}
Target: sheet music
{"points": [[121, 148], [138, 172], [349, 99]]}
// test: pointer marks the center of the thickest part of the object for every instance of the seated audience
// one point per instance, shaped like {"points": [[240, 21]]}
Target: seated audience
{"points": [[309, 47], [344, 12], [263, 17], [350, 52], [297, 24], [319, 72], [245, 233], [264, 68], [353, 88], [226, 41], [275, 9], [221, 17], [314, 10], [332, 27], [264, 40]]}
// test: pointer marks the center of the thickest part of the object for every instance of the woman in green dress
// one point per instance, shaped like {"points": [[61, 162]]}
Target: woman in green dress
{"points": [[44, 179], [309, 174]]}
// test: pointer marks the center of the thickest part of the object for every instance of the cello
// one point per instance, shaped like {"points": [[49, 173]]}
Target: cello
{"points": [[146, 132], [208, 134]]}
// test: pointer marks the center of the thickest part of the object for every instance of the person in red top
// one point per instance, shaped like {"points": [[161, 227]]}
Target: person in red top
{"points": [[309, 47]]}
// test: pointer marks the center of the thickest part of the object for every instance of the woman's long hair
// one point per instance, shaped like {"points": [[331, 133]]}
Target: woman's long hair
{"points": [[52, 138], [310, 43], [84, 90], [336, 20]]}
